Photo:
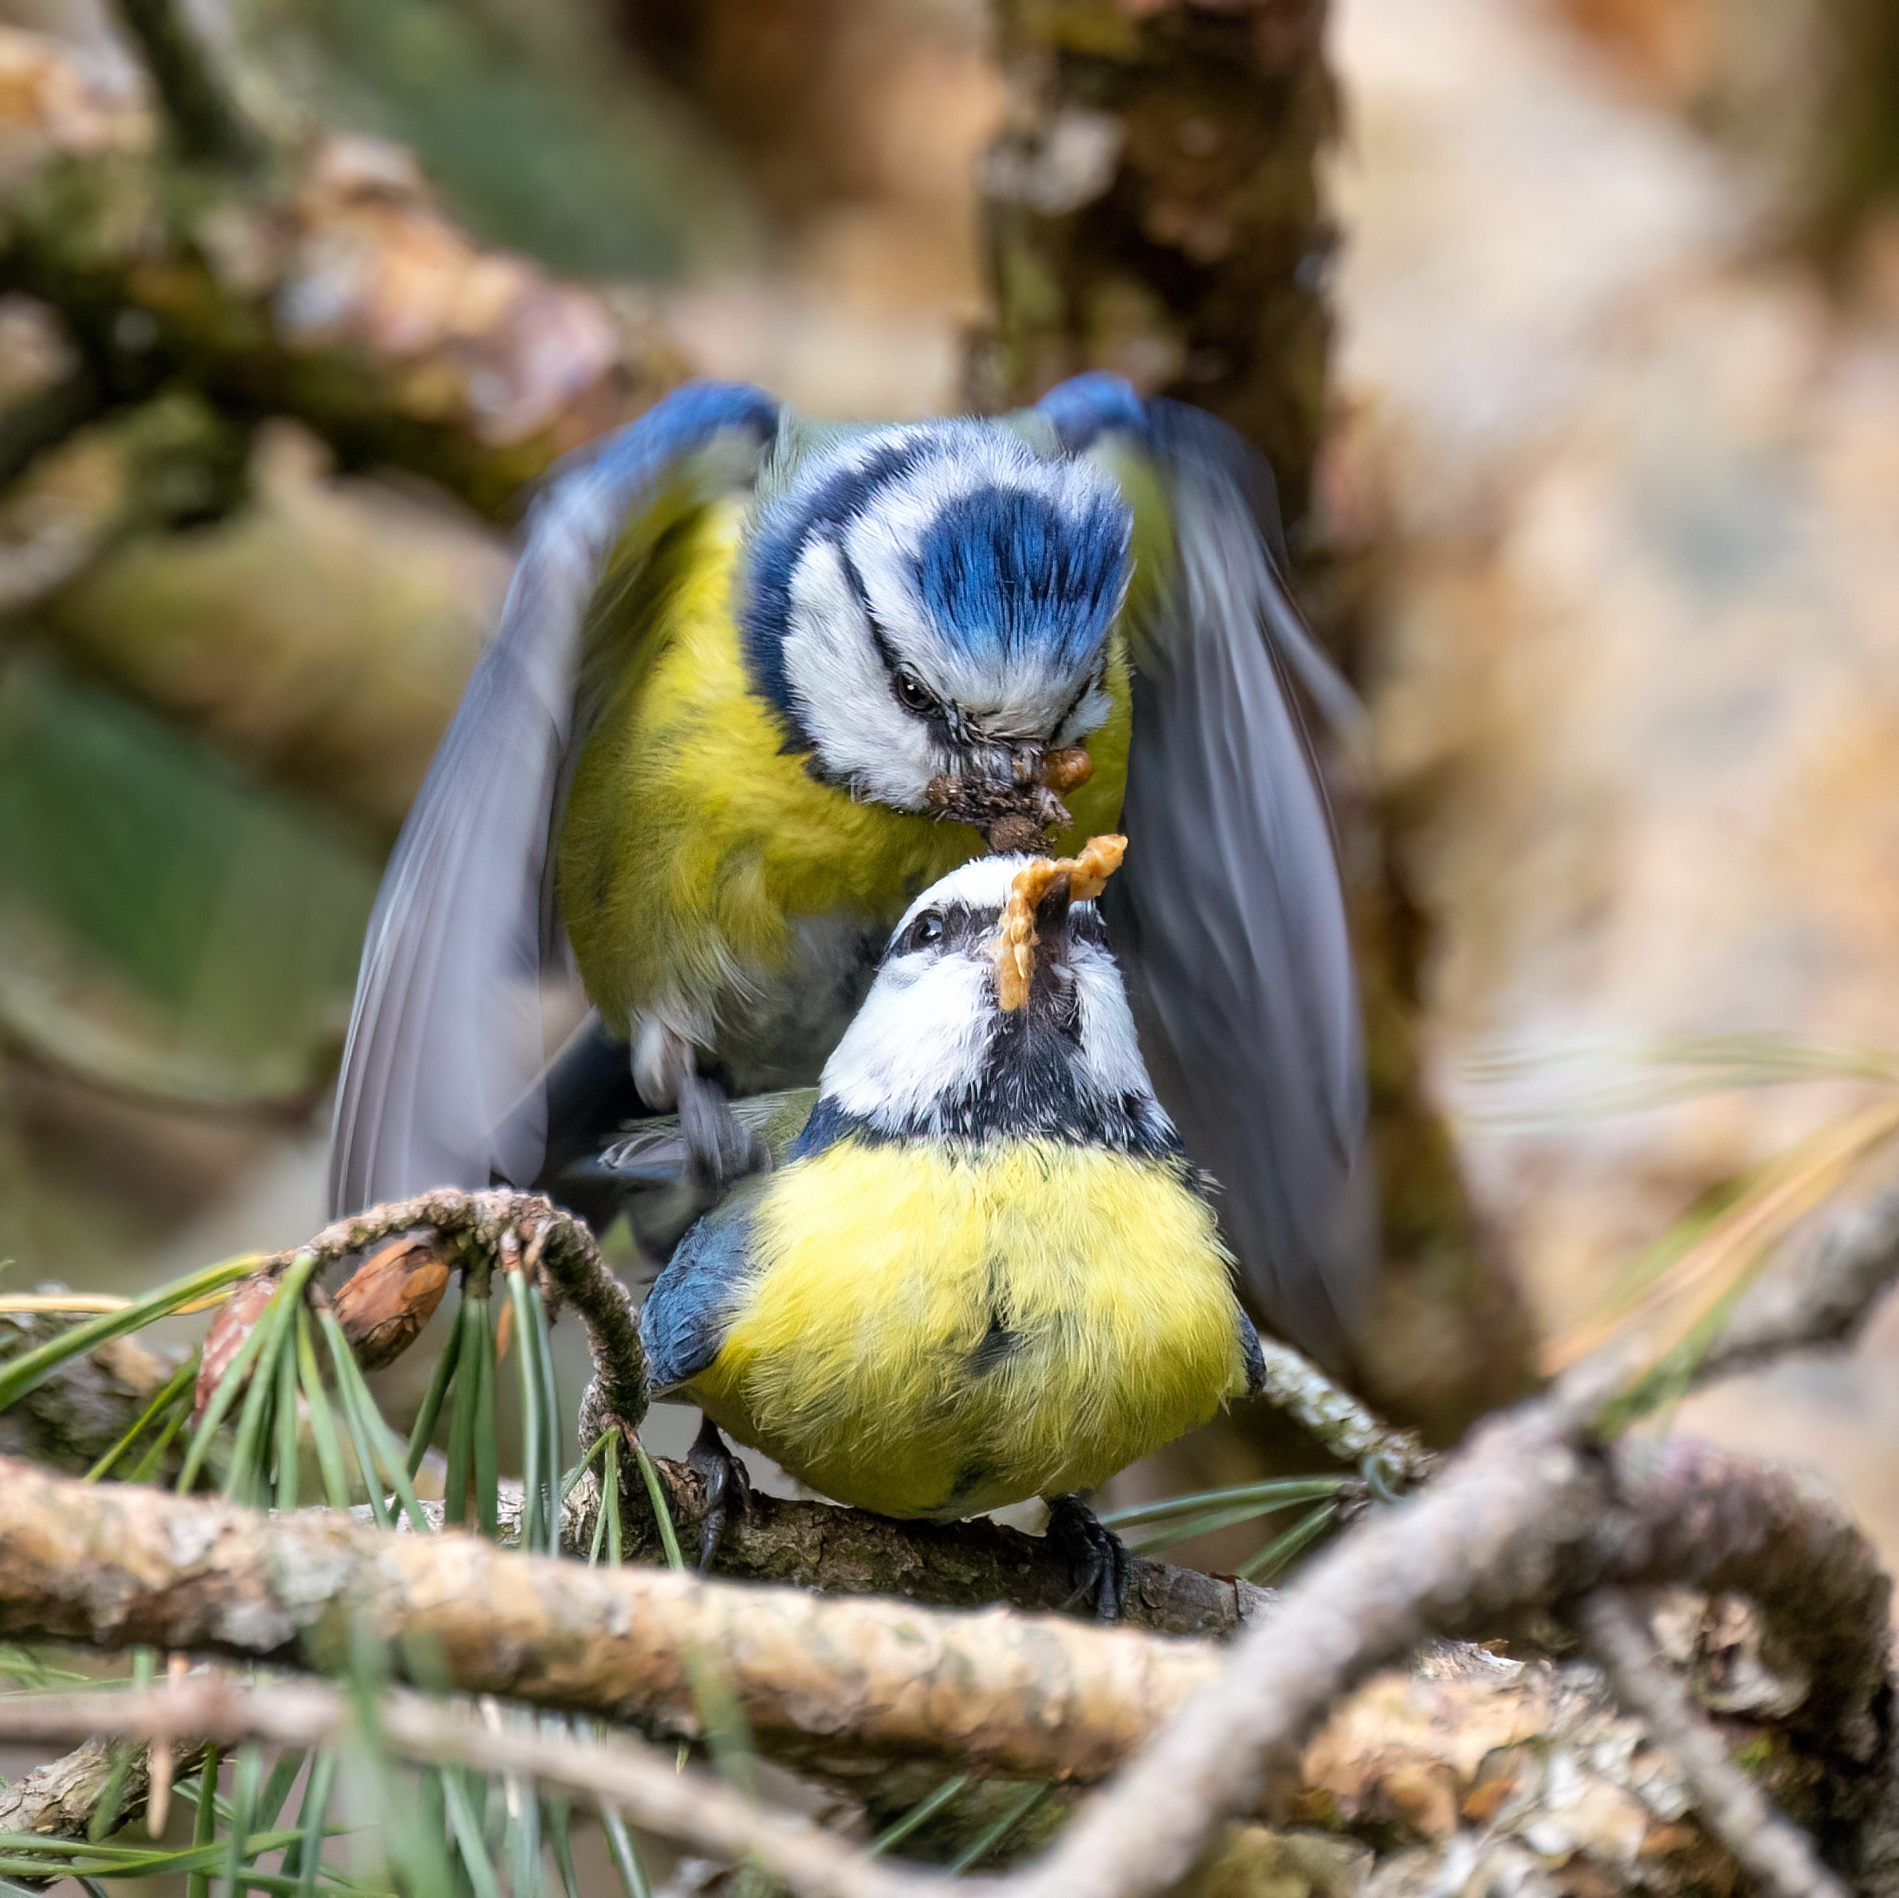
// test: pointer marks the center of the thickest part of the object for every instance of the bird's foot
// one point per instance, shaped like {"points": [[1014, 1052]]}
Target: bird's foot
{"points": [[718, 1149], [727, 1488], [1098, 1558]]}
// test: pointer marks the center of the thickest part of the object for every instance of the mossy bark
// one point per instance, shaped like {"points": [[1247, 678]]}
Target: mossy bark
{"points": [[1153, 208]]}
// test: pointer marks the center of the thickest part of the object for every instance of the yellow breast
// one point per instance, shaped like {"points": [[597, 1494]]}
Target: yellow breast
{"points": [[692, 841], [935, 1334]]}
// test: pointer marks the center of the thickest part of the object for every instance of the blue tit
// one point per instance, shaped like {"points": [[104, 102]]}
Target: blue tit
{"points": [[757, 683], [986, 1270]]}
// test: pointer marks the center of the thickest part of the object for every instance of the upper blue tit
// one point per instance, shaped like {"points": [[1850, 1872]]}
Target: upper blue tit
{"points": [[986, 1270], [758, 682]]}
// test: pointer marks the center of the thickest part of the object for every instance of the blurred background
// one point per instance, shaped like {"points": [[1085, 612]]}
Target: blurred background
{"points": [[1570, 326]]}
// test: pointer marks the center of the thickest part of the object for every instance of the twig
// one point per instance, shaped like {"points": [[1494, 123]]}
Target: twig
{"points": [[1352, 1433], [641, 1782], [359, 307], [569, 1261], [1526, 1514], [1507, 1521], [1769, 1846], [205, 120], [1819, 1291], [1687, 1512]]}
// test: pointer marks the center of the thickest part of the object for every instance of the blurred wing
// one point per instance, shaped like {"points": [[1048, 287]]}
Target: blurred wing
{"points": [[439, 1079], [1229, 918]]}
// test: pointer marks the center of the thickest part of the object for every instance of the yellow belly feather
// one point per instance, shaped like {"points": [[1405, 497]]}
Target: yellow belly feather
{"points": [[692, 841], [930, 1333]]}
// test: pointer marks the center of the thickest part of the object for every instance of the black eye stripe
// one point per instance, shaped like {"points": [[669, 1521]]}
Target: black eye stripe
{"points": [[960, 928], [964, 929], [1093, 681], [925, 705]]}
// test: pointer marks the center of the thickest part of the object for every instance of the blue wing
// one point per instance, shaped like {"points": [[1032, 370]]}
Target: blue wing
{"points": [[440, 1079], [684, 1320], [1229, 918]]}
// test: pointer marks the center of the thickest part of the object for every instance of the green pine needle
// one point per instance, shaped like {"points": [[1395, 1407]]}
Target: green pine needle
{"points": [[1012, 1816], [918, 1815], [32, 1368], [368, 1431], [439, 1381], [465, 1830], [173, 1391], [625, 1855], [1275, 1556], [662, 1509], [316, 1400], [1275, 1494]]}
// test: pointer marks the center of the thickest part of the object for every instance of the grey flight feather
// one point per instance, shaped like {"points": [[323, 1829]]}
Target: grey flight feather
{"points": [[438, 1085], [1229, 917]]}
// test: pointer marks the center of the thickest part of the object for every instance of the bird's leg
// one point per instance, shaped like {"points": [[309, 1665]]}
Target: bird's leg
{"points": [[718, 1149], [727, 1488], [1098, 1557]]}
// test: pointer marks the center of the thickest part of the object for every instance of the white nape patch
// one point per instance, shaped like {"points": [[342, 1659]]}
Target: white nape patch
{"points": [[864, 737], [1110, 1061], [920, 1036]]}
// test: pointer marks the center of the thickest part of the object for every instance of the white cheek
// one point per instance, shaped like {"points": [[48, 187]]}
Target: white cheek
{"points": [[863, 737], [919, 1038], [1111, 1058]]}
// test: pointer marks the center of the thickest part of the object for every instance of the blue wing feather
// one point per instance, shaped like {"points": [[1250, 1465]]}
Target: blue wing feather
{"points": [[1229, 918], [687, 1313], [439, 1078]]}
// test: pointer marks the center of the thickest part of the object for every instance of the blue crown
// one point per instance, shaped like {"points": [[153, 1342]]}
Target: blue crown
{"points": [[1007, 574], [1002, 572]]}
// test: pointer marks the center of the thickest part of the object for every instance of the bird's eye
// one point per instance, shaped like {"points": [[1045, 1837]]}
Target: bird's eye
{"points": [[926, 930], [913, 694]]}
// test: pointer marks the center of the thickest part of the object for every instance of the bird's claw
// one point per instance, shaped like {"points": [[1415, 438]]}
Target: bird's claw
{"points": [[718, 1149], [727, 1488], [1098, 1557]]}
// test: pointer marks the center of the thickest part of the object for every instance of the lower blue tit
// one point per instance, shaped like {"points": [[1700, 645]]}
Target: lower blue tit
{"points": [[759, 682], [986, 1271]]}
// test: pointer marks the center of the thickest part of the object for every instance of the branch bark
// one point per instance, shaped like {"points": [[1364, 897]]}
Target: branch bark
{"points": [[816, 1679], [851, 1552], [1526, 1514], [71, 1420], [1152, 209]]}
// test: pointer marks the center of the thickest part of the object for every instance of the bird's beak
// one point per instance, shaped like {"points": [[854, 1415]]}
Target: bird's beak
{"points": [[1019, 810], [1051, 913], [1040, 896]]}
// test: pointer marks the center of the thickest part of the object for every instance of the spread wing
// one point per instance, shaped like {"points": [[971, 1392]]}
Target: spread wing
{"points": [[440, 1079], [1229, 917]]}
